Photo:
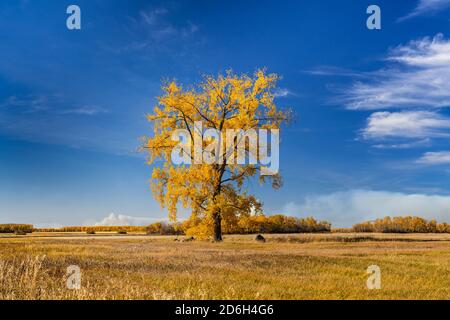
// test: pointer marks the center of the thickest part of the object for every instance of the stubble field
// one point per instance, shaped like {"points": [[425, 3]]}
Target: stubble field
{"points": [[301, 266]]}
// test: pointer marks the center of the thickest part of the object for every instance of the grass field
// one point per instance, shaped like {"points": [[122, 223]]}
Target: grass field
{"points": [[302, 266]]}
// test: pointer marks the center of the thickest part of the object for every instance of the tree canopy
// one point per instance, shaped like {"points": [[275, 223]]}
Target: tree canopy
{"points": [[213, 190]]}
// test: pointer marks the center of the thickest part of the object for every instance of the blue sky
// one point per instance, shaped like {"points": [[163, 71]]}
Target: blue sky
{"points": [[370, 137]]}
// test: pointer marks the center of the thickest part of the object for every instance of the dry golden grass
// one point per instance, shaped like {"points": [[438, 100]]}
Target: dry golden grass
{"points": [[304, 266]]}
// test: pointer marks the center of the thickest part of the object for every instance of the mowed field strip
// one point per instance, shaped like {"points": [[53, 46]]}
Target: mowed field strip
{"points": [[295, 266]]}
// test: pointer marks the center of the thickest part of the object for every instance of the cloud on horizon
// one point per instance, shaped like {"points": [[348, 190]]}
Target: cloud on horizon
{"points": [[123, 220], [345, 208]]}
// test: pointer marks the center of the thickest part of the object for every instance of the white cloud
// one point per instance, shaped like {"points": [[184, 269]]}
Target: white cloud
{"points": [[123, 220], [427, 6], [421, 78], [435, 158], [416, 80], [404, 145], [50, 104], [158, 27], [28, 104], [153, 17], [336, 71], [282, 93], [85, 110], [343, 209], [406, 124]]}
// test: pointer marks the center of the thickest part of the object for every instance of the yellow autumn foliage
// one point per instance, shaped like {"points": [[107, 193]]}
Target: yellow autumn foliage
{"points": [[408, 224], [213, 192]]}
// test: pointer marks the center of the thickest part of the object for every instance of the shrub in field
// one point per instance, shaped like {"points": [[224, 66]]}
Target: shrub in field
{"points": [[13, 228], [407, 224], [260, 238]]}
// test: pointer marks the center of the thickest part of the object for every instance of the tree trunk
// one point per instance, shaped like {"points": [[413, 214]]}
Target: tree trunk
{"points": [[217, 217], [217, 227]]}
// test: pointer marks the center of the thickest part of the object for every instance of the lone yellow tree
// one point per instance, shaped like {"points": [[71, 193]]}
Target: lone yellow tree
{"points": [[213, 190]]}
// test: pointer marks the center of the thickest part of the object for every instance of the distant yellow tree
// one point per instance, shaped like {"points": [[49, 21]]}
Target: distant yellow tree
{"points": [[212, 191]]}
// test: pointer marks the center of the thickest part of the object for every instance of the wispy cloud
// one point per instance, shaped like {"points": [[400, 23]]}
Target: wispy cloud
{"points": [[338, 72], [419, 78], [406, 124], [28, 103], [153, 17], [56, 119], [404, 145], [435, 158], [283, 93], [426, 7], [415, 81], [346, 208], [85, 110], [50, 104], [154, 28]]}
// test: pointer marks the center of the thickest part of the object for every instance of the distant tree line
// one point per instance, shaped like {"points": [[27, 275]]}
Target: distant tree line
{"points": [[13, 228], [252, 224], [243, 225], [407, 224], [95, 229]]}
